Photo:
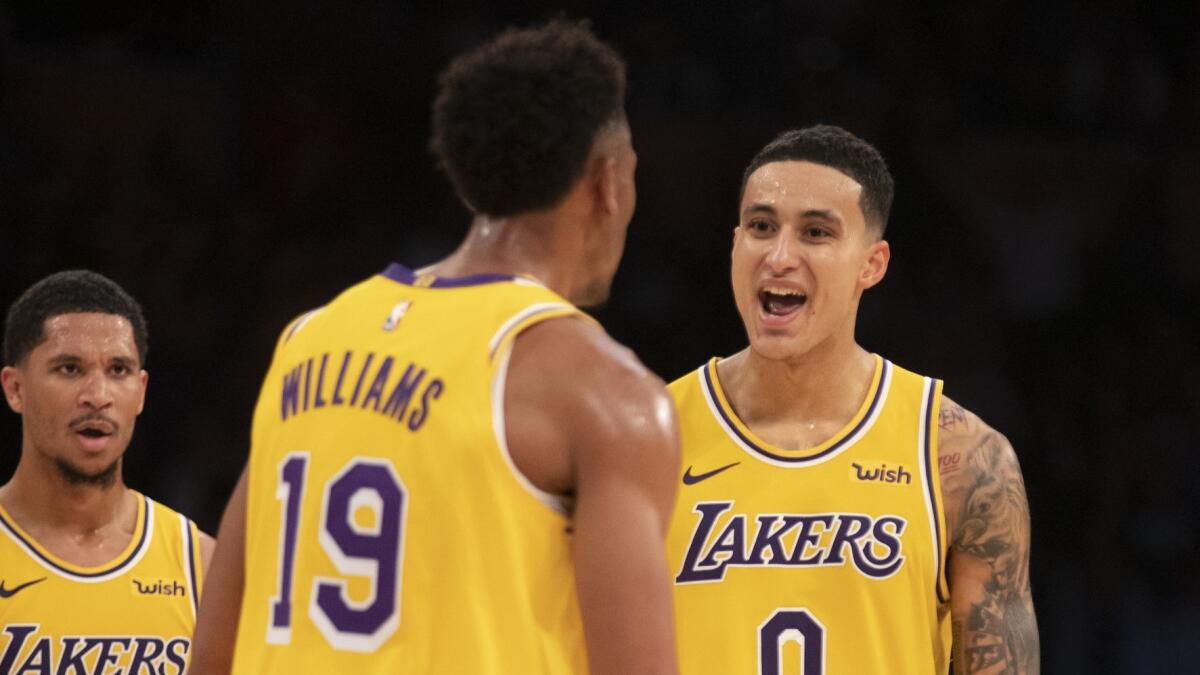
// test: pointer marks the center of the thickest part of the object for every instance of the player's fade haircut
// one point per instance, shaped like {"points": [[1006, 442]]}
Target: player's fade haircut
{"points": [[838, 149], [67, 293], [515, 119]]}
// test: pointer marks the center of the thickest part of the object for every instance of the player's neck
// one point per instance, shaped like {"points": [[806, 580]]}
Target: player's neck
{"points": [[42, 499], [531, 244], [826, 384]]}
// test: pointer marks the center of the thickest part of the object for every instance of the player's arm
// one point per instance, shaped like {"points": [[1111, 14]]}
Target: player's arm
{"points": [[217, 622], [583, 393], [987, 520], [207, 546]]}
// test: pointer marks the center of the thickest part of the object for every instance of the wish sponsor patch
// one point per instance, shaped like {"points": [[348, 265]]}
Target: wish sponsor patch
{"points": [[874, 471]]}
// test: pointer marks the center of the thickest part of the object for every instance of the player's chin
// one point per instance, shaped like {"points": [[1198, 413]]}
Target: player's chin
{"points": [[776, 344], [96, 471]]}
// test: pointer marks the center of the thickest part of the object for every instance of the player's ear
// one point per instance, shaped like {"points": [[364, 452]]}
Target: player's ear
{"points": [[144, 377], [11, 379], [876, 264], [606, 186]]}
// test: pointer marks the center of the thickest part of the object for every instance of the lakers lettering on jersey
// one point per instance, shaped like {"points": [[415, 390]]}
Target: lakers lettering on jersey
{"points": [[815, 561], [387, 528], [134, 615]]}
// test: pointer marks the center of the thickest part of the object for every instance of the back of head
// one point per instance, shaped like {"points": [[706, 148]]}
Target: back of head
{"points": [[838, 149], [515, 119], [69, 292]]}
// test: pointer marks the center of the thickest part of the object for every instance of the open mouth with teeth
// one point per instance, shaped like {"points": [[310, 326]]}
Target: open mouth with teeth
{"points": [[781, 302]]}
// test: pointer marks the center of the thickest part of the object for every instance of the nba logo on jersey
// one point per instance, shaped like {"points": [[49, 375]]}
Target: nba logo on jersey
{"points": [[396, 314]]}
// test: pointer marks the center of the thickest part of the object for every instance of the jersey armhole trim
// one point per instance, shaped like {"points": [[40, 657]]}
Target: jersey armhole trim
{"points": [[525, 318], [187, 531], [297, 324], [931, 399], [554, 502]]}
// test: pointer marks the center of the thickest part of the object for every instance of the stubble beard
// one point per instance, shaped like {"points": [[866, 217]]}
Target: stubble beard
{"points": [[75, 476]]}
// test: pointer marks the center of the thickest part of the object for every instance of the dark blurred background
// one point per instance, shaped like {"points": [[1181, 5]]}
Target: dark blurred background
{"points": [[233, 164]]}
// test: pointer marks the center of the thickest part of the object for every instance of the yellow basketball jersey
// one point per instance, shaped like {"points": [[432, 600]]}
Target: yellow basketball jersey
{"points": [[824, 560], [134, 615], [387, 528]]}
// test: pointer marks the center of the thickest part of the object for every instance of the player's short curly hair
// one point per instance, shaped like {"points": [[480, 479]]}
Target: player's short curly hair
{"points": [[838, 149], [67, 293], [515, 119]]}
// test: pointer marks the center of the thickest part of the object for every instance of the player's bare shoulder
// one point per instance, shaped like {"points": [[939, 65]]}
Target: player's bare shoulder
{"points": [[980, 476], [585, 374], [573, 393]]}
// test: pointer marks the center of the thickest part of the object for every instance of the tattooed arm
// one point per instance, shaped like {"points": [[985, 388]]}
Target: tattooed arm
{"points": [[987, 520]]}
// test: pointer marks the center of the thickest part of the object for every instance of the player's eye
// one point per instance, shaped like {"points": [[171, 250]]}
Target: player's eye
{"points": [[759, 226], [68, 369], [119, 369], [815, 232]]}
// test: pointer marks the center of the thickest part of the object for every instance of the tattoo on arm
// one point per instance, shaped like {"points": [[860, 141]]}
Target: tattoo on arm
{"points": [[949, 462], [995, 630], [951, 415]]}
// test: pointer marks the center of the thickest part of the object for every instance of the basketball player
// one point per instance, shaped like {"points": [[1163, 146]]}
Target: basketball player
{"points": [[837, 514], [94, 577], [454, 470]]}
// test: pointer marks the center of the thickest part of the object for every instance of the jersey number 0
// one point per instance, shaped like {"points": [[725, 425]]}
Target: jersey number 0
{"points": [[791, 625], [373, 551]]}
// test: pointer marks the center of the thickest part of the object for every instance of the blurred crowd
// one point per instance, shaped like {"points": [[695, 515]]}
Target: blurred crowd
{"points": [[233, 165]]}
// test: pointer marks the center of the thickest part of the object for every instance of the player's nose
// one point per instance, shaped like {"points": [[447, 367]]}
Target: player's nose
{"points": [[784, 254], [95, 390]]}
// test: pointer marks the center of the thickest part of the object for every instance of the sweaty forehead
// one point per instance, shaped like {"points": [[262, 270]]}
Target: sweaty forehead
{"points": [[803, 185], [88, 334]]}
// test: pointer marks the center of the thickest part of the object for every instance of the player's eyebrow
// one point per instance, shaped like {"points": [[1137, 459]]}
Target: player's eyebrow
{"points": [[126, 361], [759, 207], [823, 214], [768, 209], [67, 357]]}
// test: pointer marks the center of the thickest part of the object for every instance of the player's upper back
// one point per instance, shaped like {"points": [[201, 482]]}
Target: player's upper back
{"points": [[390, 350], [378, 453]]}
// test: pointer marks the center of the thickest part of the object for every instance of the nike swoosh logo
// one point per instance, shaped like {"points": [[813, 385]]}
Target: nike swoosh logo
{"points": [[9, 592], [691, 479]]}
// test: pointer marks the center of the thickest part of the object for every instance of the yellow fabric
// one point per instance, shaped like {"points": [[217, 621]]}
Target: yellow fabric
{"points": [[133, 615], [383, 402], [823, 560]]}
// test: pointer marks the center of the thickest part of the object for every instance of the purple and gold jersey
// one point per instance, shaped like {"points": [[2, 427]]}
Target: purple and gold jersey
{"points": [[387, 529], [132, 615], [823, 560]]}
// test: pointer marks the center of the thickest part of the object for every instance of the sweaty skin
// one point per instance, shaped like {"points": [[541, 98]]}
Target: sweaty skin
{"points": [[584, 416], [79, 393], [802, 229]]}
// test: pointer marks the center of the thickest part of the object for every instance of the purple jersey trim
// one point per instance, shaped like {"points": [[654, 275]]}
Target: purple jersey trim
{"points": [[930, 458], [837, 445], [133, 553], [190, 548], [400, 273]]}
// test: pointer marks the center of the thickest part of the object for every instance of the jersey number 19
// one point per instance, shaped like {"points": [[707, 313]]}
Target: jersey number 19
{"points": [[373, 551]]}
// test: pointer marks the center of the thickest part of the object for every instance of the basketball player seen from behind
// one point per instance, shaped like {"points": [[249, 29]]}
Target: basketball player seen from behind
{"points": [[94, 577], [814, 528], [453, 470]]}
